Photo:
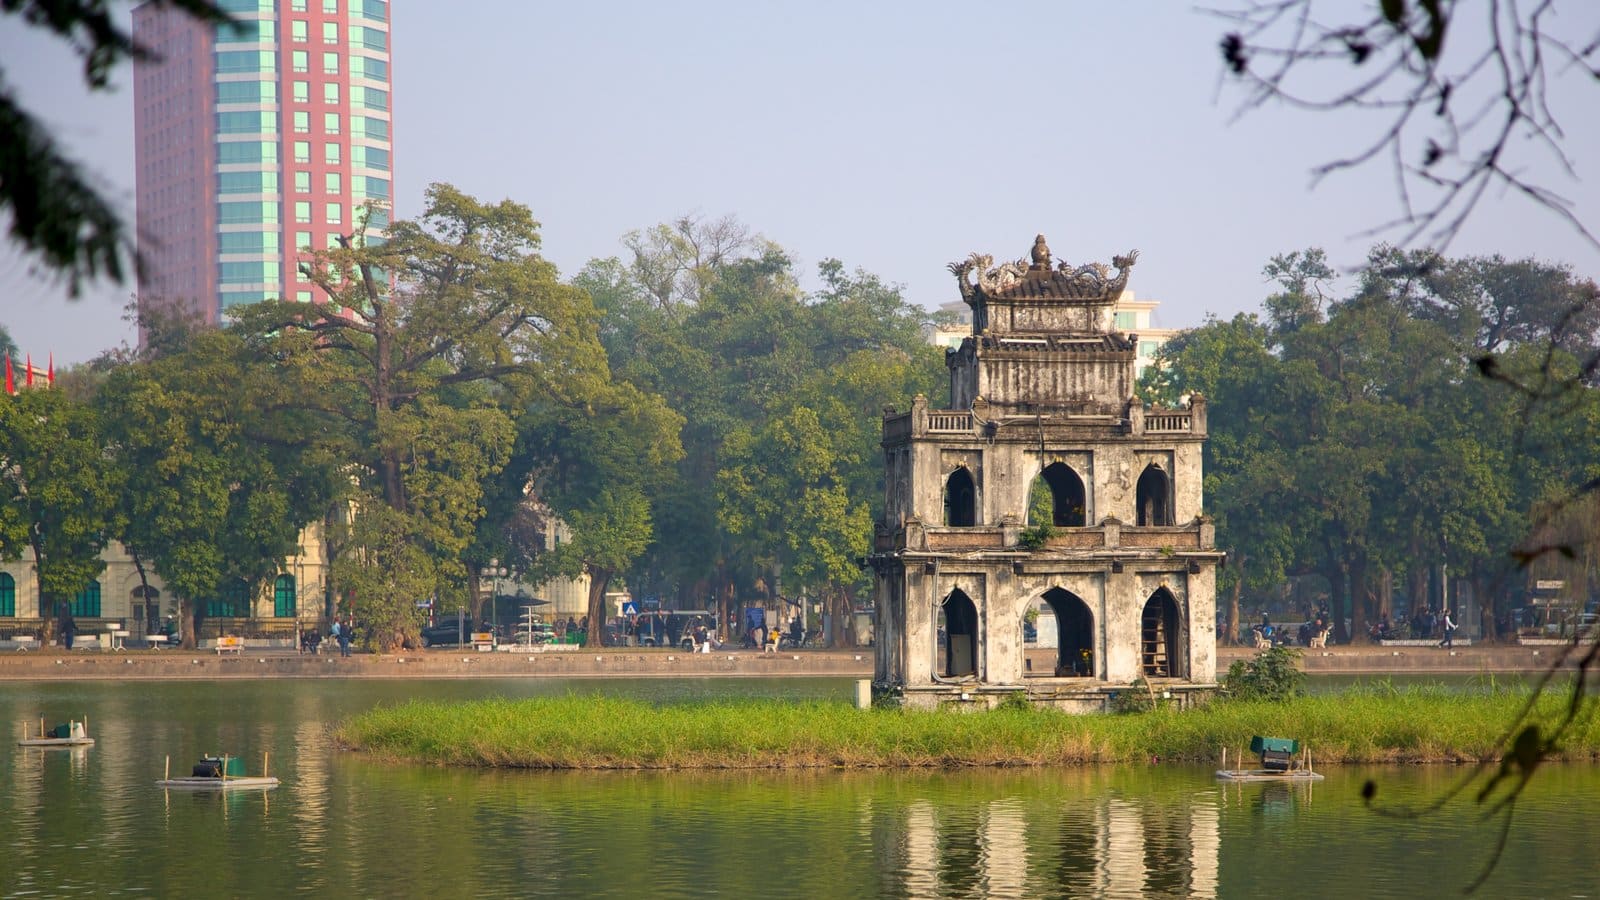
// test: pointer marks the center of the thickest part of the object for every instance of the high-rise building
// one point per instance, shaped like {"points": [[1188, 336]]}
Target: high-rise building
{"points": [[256, 141]]}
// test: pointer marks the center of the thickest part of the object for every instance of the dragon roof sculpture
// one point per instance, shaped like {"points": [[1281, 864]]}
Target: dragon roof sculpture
{"points": [[1033, 278]]}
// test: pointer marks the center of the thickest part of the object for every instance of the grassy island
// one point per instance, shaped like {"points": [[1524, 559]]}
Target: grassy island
{"points": [[1364, 726]]}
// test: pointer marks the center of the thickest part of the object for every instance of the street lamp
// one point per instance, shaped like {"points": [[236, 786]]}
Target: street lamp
{"points": [[494, 572]]}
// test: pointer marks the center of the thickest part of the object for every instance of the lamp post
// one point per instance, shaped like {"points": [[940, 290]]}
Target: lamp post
{"points": [[494, 572]]}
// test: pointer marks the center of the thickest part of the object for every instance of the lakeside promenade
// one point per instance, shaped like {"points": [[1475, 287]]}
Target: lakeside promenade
{"points": [[53, 664]]}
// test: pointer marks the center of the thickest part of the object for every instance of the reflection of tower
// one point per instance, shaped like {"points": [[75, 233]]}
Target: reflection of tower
{"points": [[1047, 483], [1102, 845]]}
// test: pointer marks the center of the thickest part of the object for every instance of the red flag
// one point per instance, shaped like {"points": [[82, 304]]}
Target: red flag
{"points": [[11, 384], [27, 374], [50, 373]]}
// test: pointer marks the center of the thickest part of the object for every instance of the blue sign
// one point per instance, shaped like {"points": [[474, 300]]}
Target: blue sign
{"points": [[630, 608], [652, 602]]}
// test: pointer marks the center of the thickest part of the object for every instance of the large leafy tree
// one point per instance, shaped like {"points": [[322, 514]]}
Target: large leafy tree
{"points": [[57, 492], [411, 360], [217, 487]]}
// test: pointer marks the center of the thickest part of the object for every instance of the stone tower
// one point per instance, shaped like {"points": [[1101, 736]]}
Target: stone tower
{"points": [[1111, 577]]}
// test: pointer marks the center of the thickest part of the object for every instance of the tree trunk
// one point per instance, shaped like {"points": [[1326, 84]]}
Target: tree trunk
{"points": [[1359, 600], [190, 618], [1231, 639], [1339, 583], [599, 580]]}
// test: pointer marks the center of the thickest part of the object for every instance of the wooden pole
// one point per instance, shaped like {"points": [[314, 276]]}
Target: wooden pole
{"points": [[224, 767], [264, 756], [85, 726], [1224, 759], [167, 775]]}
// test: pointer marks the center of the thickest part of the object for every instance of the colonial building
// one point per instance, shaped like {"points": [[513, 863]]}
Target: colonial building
{"points": [[1047, 495]]}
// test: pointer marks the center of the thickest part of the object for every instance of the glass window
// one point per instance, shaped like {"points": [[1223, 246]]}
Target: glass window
{"points": [[364, 67], [366, 188], [370, 38], [377, 219], [330, 92], [247, 31], [245, 6], [330, 154], [1147, 349], [230, 299], [302, 212], [302, 241], [232, 62], [302, 92], [302, 182], [235, 600], [1126, 320], [262, 272], [331, 7], [86, 603], [371, 98], [330, 32], [232, 152], [370, 158], [283, 605], [331, 183], [297, 31], [248, 242], [302, 122], [247, 213], [247, 123], [297, 5], [302, 296], [335, 213], [247, 92], [333, 240], [376, 10], [247, 183], [300, 61], [368, 127], [330, 63], [8, 595], [302, 152], [330, 123]]}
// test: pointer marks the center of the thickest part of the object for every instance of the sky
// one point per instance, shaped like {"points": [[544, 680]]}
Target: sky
{"points": [[895, 136]]}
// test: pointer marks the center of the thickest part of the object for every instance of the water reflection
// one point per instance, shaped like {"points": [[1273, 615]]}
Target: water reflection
{"points": [[92, 821]]}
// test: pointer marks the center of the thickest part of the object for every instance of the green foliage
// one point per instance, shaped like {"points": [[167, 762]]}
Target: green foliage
{"points": [[1273, 675], [1035, 537], [1016, 701], [1136, 698]]}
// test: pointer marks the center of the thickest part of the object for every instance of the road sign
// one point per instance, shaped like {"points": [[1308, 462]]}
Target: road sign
{"points": [[630, 608]]}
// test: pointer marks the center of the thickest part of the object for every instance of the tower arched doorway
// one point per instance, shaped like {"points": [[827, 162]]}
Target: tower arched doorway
{"points": [[1058, 498], [1154, 497], [1162, 649], [1070, 628], [957, 636], [960, 499]]}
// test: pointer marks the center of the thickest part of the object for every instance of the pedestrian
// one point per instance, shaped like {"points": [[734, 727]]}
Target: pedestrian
{"points": [[344, 637], [797, 632], [773, 635], [1449, 630], [69, 626]]}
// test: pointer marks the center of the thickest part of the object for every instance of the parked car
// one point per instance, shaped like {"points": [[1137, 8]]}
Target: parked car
{"points": [[449, 632]]}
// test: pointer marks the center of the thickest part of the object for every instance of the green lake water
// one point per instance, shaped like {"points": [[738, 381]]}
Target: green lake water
{"points": [[91, 822]]}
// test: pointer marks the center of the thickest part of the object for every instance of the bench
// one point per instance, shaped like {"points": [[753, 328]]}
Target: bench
{"points": [[1321, 640], [232, 642]]}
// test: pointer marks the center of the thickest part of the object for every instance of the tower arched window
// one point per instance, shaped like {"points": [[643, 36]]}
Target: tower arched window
{"points": [[960, 499], [1154, 497]]}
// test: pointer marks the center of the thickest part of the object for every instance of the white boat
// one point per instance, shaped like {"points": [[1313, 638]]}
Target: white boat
{"points": [[72, 734], [1278, 762], [218, 773]]}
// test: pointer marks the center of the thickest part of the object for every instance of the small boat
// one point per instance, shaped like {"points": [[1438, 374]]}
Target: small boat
{"points": [[72, 734], [218, 773], [1278, 762]]}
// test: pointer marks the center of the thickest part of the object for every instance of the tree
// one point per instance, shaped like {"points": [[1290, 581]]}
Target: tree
{"points": [[411, 362], [55, 213], [216, 487], [56, 489], [1464, 96]]}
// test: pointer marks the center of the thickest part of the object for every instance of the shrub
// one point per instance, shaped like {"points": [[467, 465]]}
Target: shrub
{"points": [[1034, 538], [1273, 674]]}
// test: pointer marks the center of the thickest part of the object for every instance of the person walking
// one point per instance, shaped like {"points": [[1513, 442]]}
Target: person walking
{"points": [[69, 626], [1449, 631], [344, 637]]}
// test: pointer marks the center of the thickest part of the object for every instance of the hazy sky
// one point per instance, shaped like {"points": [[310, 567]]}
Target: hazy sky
{"points": [[895, 136]]}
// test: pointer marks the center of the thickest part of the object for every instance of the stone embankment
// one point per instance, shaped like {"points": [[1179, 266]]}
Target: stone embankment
{"points": [[52, 664]]}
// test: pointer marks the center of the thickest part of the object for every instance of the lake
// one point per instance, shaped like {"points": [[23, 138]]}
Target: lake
{"points": [[92, 822]]}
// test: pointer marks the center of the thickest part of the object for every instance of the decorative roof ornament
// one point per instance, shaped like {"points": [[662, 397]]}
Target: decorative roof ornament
{"points": [[977, 274]]}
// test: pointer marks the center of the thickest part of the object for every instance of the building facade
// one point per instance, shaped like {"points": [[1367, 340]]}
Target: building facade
{"points": [[1130, 315], [255, 142], [1046, 494]]}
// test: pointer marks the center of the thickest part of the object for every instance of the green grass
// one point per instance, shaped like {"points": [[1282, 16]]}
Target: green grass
{"points": [[1369, 725]]}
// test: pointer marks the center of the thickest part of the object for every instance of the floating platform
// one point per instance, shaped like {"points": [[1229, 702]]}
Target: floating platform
{"points": [[72, 734], [209, 783], [1267, 775]]}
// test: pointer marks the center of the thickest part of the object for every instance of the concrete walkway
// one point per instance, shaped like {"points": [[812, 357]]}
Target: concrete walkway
{"points": [[1412, 660]]}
